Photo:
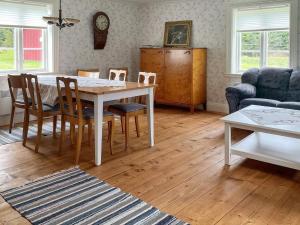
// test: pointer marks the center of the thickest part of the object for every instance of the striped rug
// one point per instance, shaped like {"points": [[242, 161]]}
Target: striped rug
{"points": [[16, 134], [75, 197]]}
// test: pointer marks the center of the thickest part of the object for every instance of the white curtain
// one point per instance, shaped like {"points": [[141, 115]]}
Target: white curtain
{"points": [[25, 14], [263, 18]]}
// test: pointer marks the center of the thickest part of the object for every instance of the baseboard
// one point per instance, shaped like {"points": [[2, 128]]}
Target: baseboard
{"points": [[217, 107]]}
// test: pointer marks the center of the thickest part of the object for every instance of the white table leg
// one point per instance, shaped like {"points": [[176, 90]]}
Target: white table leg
{"points": [[98, 110], [150, 113], [227, 144]]}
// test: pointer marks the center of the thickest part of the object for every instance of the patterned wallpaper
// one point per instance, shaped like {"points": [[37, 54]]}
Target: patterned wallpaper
{"points": [[208, 31], [76, 43], [134, 25]]}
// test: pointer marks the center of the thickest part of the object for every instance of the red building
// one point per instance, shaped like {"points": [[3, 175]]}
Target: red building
{"points": [[32, 44]]}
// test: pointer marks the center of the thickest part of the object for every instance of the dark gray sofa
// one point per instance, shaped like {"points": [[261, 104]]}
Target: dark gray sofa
{"points": [[266, 87]]}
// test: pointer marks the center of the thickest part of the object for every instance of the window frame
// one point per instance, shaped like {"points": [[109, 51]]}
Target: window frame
{"points": [[51, 41], [19, 51], [231, 39], [264, 47]]}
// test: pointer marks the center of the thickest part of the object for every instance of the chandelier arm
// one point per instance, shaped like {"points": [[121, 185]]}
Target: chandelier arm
{"points": [[60, 21]]}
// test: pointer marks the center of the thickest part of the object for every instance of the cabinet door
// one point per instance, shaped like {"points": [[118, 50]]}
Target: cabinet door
{"points": [[152, 60], [178, 83]]}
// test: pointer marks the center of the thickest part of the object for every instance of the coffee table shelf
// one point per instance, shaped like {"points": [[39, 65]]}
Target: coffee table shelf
{"points": [[270, 148], [275, 138]]}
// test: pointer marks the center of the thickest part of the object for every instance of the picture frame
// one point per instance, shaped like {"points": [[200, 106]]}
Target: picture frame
{"points": [[178, 34]]}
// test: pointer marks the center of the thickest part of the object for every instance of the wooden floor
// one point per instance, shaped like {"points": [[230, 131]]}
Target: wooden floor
{"points": [[184, 174]]}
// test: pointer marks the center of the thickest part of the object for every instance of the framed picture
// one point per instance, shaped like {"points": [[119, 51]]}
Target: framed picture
{"points": [[178, 34]]}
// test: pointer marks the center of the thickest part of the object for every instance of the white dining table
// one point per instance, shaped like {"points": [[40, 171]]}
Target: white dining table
{"points": [[100, 91]]}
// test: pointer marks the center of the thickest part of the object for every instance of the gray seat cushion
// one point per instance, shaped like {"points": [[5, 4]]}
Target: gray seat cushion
{"points": [[88, 113], [258, 101], [49, 108], [289, 105], [128, 107]]}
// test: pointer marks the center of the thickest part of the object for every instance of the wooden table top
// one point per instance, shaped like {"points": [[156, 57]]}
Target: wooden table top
{"points": [[105, 90]]}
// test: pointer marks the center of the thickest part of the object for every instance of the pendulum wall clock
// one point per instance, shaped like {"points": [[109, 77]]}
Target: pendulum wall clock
{"points": [[101, 24]]}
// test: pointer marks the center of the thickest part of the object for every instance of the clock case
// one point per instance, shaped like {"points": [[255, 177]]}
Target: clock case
{"points": [[100, 36]]}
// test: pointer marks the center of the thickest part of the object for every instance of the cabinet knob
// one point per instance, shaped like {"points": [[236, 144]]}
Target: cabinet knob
{"points": [[187, 53], [143, 51], [168, 52]]}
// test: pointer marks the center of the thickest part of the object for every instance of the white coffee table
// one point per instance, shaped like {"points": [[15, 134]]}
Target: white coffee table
{"points": [[275, 138]]}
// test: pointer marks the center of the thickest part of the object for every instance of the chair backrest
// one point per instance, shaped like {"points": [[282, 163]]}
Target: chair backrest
{"points": [[34, 92], [120, 74], [68, 94], [147, 78], [17, 83], [88, 73]]}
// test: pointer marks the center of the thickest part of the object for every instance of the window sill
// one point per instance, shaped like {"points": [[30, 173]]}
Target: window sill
{"points": [[233, 75], [3, 74]]}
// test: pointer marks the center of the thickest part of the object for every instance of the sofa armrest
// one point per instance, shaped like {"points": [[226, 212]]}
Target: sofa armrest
{"points": [[237, 93]]}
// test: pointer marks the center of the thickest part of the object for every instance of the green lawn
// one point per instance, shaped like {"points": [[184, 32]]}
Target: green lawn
{"points": [[7, 61], [253, 62]]}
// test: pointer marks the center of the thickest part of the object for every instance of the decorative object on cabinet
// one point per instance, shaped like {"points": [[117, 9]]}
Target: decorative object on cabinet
{"points": [[178, 34], [181, 75], [101, 25]]}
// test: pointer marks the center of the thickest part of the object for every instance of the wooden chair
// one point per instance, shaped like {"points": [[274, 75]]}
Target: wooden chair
{"points": [[73, 112], [38, 109], [88, 73], [16, 84], [120, 74], [127, 110]]}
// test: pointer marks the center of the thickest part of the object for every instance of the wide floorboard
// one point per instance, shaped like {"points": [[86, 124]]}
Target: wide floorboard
{"points": [[184, 174]]}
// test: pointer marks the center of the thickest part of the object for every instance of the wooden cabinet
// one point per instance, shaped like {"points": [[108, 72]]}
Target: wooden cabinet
{"points": [[181, 75]]}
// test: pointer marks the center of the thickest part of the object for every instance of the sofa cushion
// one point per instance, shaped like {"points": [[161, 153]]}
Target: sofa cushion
{"points": [[250, 77], [293, 94], [273, 83], [258, 101], [289, 105]]}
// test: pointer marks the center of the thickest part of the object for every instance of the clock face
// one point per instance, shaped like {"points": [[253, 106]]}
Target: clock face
{"points": [[102, 22]]}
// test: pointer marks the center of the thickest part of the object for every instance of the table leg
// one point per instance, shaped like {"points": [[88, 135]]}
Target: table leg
{"points": [[150, 113], [98, 110], [227, 144]]}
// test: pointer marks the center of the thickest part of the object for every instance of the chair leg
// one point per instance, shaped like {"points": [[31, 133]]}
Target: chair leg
{"points": [[39, 133], [62, 134], [111, 135], [25, 127], [108, 134], [90, 133], [126, 131], [12, 115], [72, 133], [78, 144], [137, 126], [122, 124], [54, 126]]}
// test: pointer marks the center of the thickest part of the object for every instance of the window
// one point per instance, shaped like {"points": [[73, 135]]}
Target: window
{"points": [[261, 35], [24, 37]]}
